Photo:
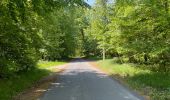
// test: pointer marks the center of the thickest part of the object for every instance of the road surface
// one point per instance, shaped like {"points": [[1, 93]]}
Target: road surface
{"points": [[82, 81]]}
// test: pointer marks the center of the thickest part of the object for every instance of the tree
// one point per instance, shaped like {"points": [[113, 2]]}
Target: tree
{"points": [[35, 29], [98, 25], [137, 30]]}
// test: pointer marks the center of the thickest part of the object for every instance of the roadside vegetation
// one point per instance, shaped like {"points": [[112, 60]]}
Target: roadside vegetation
{"points": [[17, 83], [156, 85], [47, 64]]}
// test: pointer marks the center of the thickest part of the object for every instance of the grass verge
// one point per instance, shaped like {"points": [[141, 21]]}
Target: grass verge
{"points": [[47, 64], [154, 84], [17, 83]]}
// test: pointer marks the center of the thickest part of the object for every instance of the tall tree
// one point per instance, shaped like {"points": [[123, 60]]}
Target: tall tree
{"points": [[98, 24]]}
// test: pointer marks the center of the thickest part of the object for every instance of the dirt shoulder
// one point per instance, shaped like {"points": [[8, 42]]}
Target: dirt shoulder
{"points": [[40, 86]]}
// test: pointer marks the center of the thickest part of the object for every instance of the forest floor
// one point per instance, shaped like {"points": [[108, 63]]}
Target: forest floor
{"points": [[29, 85], [152, 85]]}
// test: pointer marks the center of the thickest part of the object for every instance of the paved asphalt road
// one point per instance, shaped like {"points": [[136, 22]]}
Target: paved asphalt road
{"points": [[81, 81]]}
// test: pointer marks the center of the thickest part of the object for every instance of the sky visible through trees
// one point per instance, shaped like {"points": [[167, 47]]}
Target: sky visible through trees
{"points": [[91, 2]]}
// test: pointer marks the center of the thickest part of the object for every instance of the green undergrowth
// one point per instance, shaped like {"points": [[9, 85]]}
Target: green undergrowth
{"points": [[154, 84], [46, 64], [18, 82]]}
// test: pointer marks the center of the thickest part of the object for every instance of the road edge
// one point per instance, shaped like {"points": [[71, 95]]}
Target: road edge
{"points": [[120, 81], [39, 87]]}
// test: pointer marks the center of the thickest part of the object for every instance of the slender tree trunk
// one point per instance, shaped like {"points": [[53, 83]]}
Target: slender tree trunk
{"points": [[145, 58], [104, 50], [104, 53]]}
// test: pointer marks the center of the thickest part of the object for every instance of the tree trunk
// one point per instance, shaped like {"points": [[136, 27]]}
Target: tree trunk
{"points": [[104, 53]]}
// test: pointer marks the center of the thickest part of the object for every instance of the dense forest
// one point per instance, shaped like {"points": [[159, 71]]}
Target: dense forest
{"points": [[31, 30], [136, 31]]}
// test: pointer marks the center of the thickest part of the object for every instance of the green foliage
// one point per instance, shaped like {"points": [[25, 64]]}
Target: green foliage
{"points": [[36, 29], [136, 30], [10, 87], [97, 31], [19, 48]]}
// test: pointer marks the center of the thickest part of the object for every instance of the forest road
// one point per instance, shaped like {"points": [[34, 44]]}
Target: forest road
{"points": [[82, 81]]}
